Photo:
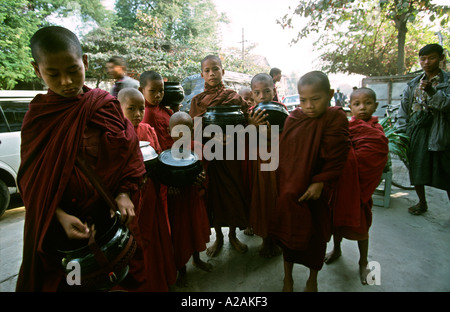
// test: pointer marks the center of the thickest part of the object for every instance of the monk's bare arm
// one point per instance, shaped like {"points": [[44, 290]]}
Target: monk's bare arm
{"points": [[126, 208], [73, 226]]}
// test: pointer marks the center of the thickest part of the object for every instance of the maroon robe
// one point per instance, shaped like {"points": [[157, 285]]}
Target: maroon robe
{"points": [[311, 150], [228, 195], [158, 117], [159, 271], [55, 130], [189, 220], [352, 213]]}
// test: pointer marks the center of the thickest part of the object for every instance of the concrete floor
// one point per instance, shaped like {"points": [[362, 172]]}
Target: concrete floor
{"points": [[413, 253]]}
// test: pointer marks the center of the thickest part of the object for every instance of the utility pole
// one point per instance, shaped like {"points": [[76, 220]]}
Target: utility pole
{"points": [[243, 50]]}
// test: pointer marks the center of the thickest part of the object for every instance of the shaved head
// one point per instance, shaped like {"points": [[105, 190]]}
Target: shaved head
{"points": [[181, 118], [262, 78], [54, 39], [129, 94]]}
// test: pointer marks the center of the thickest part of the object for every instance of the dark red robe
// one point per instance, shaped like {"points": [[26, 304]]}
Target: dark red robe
{"points": [[55, 130], [189, 220], [228, 195], [158, 117], [159, 271], [311, 150], [352, 213]]}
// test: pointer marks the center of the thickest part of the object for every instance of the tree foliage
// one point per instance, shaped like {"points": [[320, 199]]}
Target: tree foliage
{"points": [[19, 19], [378, 27]]}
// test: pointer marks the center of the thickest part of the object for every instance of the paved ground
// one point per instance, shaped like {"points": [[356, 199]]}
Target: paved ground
{"points": [[413, 253]]}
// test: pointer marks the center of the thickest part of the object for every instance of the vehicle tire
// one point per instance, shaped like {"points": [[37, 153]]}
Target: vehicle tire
{"points": [[400, 173], [4, 197]]}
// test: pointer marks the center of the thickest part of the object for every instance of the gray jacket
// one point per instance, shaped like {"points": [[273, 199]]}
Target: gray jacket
{"points": [[439, 138], [125, 82]]}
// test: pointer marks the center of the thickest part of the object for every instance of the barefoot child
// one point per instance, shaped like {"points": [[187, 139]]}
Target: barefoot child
{"points": [[313, 151], [153, 234], [71, 120], [227, 193], [187, 212], [352, 215]]}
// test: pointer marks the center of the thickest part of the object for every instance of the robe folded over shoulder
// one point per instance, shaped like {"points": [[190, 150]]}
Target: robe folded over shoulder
{"points": [[189, 219], [158, 117], [55, 130], [352, 214], [311, 150], [214, 96]]}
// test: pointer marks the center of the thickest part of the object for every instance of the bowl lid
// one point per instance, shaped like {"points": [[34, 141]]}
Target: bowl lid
{"points": [[185, 158]]}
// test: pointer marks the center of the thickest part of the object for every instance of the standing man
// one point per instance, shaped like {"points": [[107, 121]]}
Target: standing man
{"points": [[276, 76], [117, 69], [424, 115], [339, 98]]}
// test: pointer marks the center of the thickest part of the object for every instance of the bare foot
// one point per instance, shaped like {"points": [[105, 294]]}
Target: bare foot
{"points": [[311, 286], [331, 256], [215, 248], [182, 278], [363, 273], [202, 265], [240, 247], [288, 285]]}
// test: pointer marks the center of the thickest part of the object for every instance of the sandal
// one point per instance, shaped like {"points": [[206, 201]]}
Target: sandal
{"points": [[417, 209]]}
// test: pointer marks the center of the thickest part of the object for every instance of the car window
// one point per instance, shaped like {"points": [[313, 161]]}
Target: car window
{"points": [[12, 114]]}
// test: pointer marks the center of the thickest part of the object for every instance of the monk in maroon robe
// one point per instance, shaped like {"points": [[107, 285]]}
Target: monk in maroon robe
{"points": [[352, 211], [153, 267], [187, 211], [313, 151], [71, 120], [227, 194]]}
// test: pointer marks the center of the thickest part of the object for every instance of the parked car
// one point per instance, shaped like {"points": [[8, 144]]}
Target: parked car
{"points": [[291, 101], [195, 84], [13, 106]]}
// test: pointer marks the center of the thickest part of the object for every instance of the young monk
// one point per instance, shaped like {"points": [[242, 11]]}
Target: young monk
{"points": [[313, 151], [187, 212], [71, 120], [246, 94], [156, 115], [264, 187], [158, 271], [227, 192], [352, 215]]}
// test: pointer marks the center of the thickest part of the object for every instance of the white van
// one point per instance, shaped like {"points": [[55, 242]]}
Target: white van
{"points": [[195, 84], [13, 106]]}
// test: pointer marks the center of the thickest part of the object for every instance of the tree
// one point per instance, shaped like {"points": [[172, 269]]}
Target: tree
{"points": [[19, 19], [340, 15]]}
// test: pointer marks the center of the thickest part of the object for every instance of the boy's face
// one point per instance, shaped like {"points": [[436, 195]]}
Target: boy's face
{"points": [[363, 105], [133, 108], [430, 62], [262, 91], [248, 97], [314, 100], [212, 72], [153, 91], [63, 72]]}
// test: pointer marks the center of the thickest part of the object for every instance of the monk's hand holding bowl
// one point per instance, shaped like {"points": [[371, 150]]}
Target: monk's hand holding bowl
{"points": [[126, 208], [258, 117], [313, 192], [74, 228]]}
